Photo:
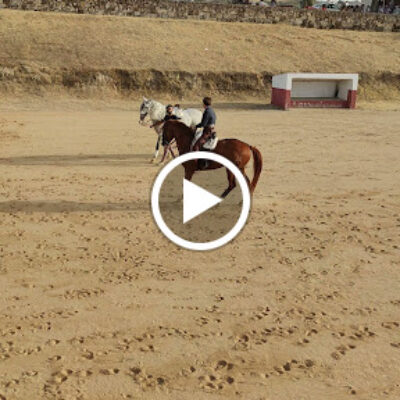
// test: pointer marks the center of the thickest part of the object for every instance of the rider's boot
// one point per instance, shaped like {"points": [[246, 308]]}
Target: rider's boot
{"points": [[203, 163]]}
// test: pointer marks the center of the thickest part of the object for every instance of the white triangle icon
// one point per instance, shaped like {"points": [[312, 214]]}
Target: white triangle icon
{"points": [[196, 200]]}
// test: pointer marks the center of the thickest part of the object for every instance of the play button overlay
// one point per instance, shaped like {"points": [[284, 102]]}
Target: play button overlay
{"points": [[192, 213], [196, 200]]}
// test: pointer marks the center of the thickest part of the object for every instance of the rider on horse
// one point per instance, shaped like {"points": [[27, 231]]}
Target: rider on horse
{"points": [[206, 139]]}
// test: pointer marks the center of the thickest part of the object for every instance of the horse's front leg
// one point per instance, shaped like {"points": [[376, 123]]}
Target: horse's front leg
{"points": [[171, 151], [164, 154], [168, 148], [190, 169], [158, 143]]}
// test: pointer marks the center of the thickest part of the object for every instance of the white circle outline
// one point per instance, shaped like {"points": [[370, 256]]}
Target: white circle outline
{"points": [[200, 246]]}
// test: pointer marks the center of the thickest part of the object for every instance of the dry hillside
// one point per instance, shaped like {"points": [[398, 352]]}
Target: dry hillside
{"points": [[39, 51]]}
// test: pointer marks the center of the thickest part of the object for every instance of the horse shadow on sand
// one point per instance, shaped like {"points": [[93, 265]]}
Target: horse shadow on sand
{"points": [[113, 160], [62, 206]]}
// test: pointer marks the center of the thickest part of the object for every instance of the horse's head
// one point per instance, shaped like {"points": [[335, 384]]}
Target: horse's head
{"points": [[145, 108], [178, 131]]}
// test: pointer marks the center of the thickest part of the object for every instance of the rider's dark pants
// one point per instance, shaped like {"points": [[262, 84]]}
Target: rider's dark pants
{"points": [[203, 163]]}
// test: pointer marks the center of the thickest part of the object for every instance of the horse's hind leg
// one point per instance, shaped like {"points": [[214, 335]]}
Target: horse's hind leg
{"points": [[231, 181], [246, 177]]}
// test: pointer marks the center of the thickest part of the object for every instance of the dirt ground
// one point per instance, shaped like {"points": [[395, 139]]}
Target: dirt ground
{"points": [[96, 304]]}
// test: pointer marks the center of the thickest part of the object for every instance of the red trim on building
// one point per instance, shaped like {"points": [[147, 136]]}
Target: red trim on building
{"points": [[280, 98], [351, 98]]}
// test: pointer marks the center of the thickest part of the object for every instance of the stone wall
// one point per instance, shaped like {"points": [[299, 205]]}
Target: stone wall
{"points": [[215, 12]]}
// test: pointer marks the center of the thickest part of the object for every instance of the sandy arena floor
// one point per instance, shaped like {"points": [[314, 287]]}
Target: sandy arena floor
{"points": [[96, 304]]}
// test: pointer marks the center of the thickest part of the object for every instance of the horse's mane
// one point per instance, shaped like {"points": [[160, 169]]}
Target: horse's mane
{"points": [[173, 122]]}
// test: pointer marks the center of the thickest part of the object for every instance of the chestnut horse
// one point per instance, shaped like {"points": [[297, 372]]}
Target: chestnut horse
{"points": [[234, 150]]}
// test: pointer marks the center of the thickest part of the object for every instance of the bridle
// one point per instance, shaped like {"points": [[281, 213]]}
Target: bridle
{"points": [[143, 116]]}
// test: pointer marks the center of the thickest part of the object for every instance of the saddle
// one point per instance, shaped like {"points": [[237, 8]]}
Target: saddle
{"points": [[211, 142], [207, 140]]}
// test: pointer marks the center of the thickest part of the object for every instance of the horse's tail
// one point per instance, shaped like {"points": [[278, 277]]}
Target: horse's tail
{"points": [[257, 167]]}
